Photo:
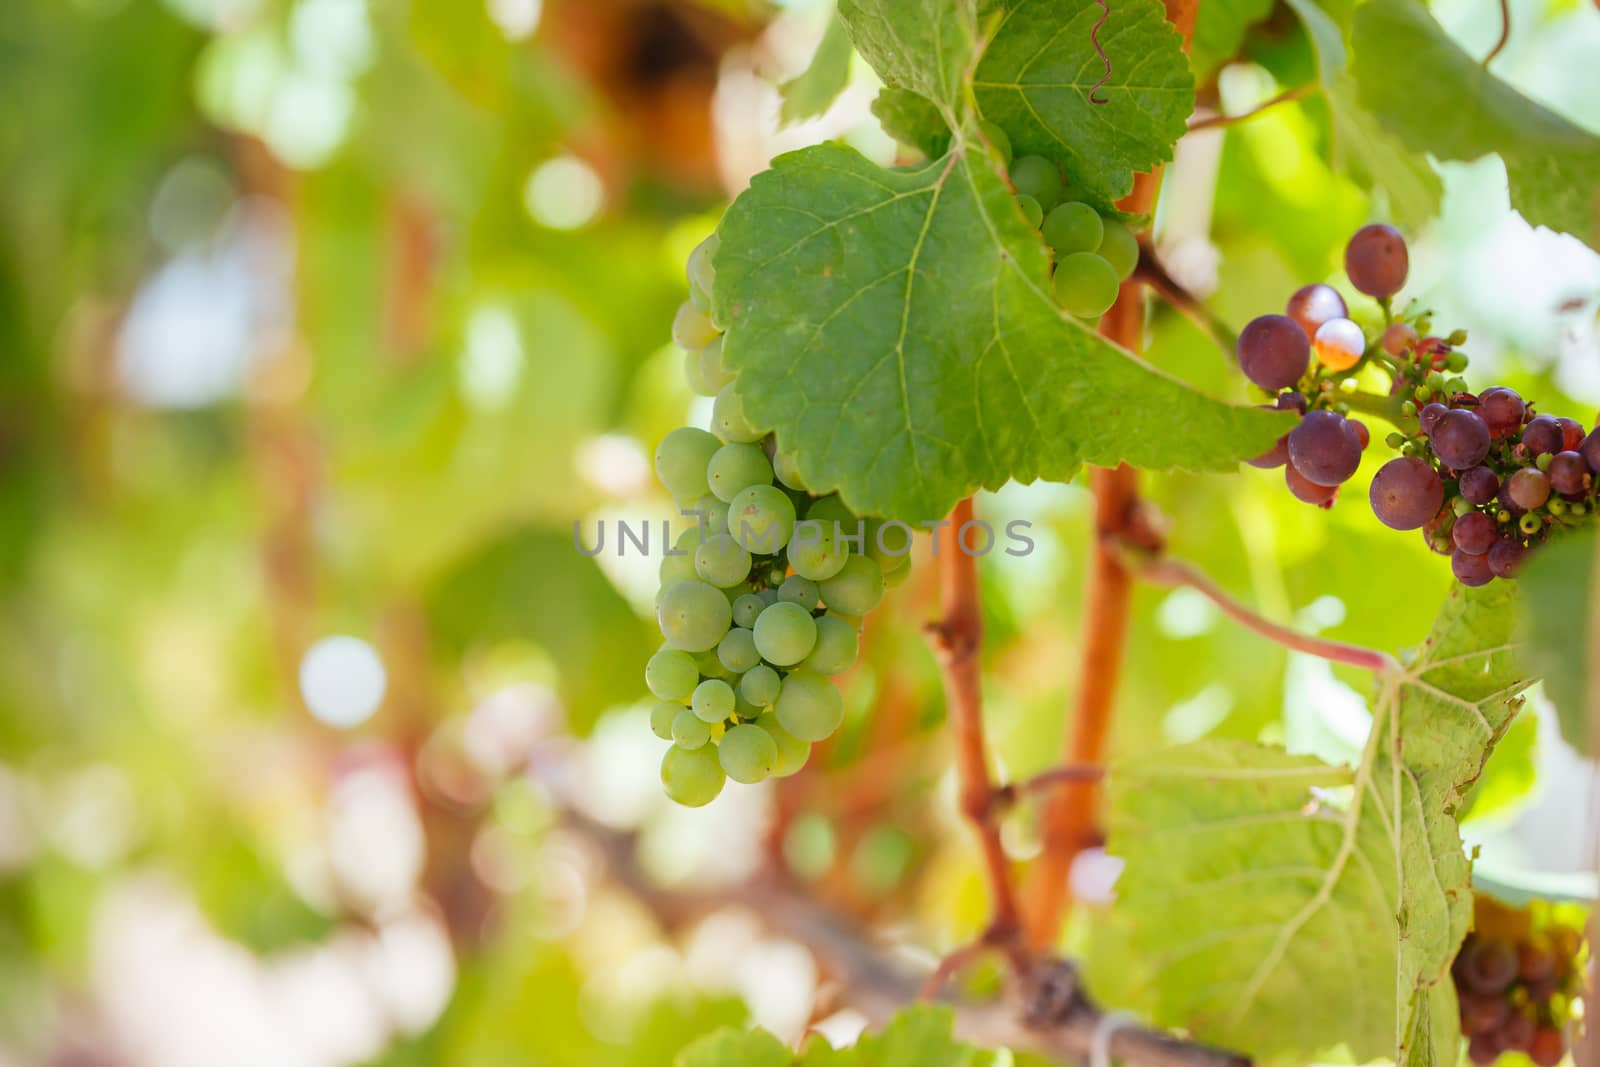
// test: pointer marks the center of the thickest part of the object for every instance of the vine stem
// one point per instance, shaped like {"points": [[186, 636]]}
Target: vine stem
{"points": [[956, 637], [1212, 122], [1505, 32]]}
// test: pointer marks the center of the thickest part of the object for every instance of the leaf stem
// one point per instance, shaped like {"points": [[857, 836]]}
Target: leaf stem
{"points": [[1387, 408], [1212, 122], [1152, 272], [1505, 33]]}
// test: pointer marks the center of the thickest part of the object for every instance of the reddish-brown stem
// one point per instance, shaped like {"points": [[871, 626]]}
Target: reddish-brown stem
{"points": [[1152, 272], [1212, 122], [1046, 780], [956, 638], [1505, 32]]}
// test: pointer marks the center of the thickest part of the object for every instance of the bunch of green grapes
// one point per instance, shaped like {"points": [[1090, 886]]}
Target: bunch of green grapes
{"points": [[761, 598], [1093, 254]]}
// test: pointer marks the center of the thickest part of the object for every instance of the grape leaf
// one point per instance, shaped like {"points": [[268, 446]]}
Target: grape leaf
{"points": [[1035, 75], [920, 1036], [1219, 29], [912, 120], [813, 90], [1559, 621], [897, 331], [921, 45], [736, 1048], [1289, 905], [1455, 109]]}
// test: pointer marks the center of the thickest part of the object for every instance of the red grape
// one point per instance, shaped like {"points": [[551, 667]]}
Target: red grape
{"points": [[1470, 569], [1291, 401], [1534, 964], [1430, 415], [1548, 1047], [1376, 260], [1571, 434], [1276, 456], [1273, 351], [1505, 557], [1313, 305], [1406, 493], [1479, 485], [1362, 433], [1474, 533], [1324, 448], [1528, 488], [1517, 1032], [1339, 344], [1569, 474], [1502, 410], [1488, 966], [1481, 1013], [1310, 492], [1398, 338], [1460, 439], [1481, 1050], [1543, 434], [1590, 450]]}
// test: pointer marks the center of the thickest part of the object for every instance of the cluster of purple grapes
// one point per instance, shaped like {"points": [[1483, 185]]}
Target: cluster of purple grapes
{"points": [[1483, 475], [1515, 987]]}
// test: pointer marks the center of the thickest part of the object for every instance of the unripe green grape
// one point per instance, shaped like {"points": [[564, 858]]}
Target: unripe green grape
{"points": [[760, 685], [787, 472], [693, 616], [856, 589], [712, 517], [681, 460], [831, 509], [815, 552], [735, 467], [728, 419], [1073, 227], [745, 710], [761, 518], [712, 700], [691, 327], [671, 674], [1039, 178], [673, 570], [768, 597], [737, 650], [888, 544], [688, 730], [896, 578], [710, 666], [746, 609], [700, 298], [699, 270], [661, 716], [836, 647], [1120, 248], [710, 368], [1086, 285], [694, 374], [808, 706], [792, 752], [722, 561], [997, 140], [747, 753], [1032, 213], [798, 590], [785, 633], [692, 777]]}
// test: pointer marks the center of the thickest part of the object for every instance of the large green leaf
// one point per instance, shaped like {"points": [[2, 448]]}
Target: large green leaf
{"points": [[1438, 99], [920, 1036], [1559, 624], [1035, 76], [921, 45], [1219, 29], [897, 330], [814, 89], [1289, 906]]}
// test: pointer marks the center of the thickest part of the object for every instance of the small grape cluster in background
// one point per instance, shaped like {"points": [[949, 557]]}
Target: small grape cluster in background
{"points": [[1484, 476], [762, 596], [1517, 979], [1094, 255]]}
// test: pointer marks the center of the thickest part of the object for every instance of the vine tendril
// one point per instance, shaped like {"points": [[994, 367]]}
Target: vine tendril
{"points": [[1094, 38]]}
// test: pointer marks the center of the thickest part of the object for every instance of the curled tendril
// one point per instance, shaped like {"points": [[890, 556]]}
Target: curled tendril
{"points": [[1094, 38]]}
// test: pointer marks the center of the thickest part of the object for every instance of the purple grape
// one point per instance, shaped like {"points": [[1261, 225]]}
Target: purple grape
{"points": [[1273, 351], [1479, 485], [1430, 415], [1376, 260], [1506, 556], [1460, 439], [1529, 488], [1406, 493], [1502, 410], [1324, 448], [1543, 434], [1304, 489], [1313, 305], [1276, 456], [1569, 474], [1474, 533], [1363, 435], [1291, 401], [1470, 569], [1571, 434]]}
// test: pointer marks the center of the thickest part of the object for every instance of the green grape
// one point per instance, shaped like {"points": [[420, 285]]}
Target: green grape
{"points": [[681, 460], [736, 467], [737, 650], [816, 551], [661, 717], [688, 540], [712, 701], [711, 370], [747, 754], [688, 731], [699, 270], [808, 705], [896, 578], [1073, 227], [695, 375], [761, 518], [1086, 285], [746, 609], [768, 597], [728, 420], [798, 590], [721, 561], [785, 633], [836, 647], [792, 752], [709, 665], [692, 776], [700, 298], [1032, 213], [856, 589], [745, 710], [675, 569], [691, 327], [1039, 178], [708, 514], [831, 509], [760, 685], [888, 544], [997, 140], [1120, 248], [693, 616], [671, 674], [787, 473]]}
